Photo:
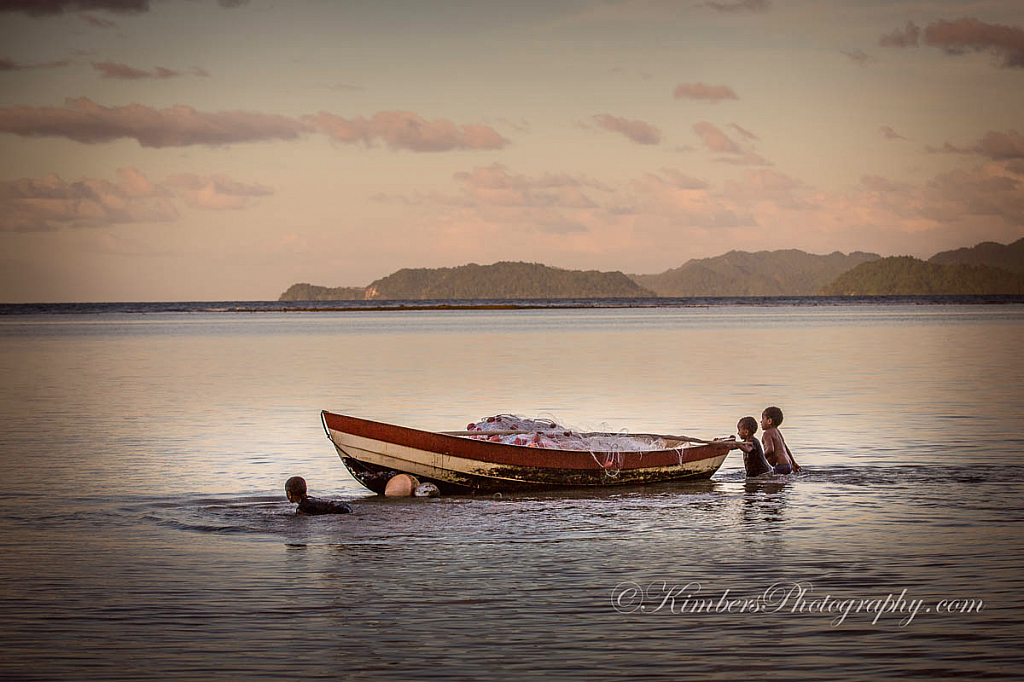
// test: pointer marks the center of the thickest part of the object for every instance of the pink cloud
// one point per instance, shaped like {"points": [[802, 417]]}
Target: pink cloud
{"points": [[969, 34], [125, 72], [496, 186], [85, 121], [711, 93], [217, 192], [406, 130], [636, 130], [905, 37], [49, 203], [715, 140]]}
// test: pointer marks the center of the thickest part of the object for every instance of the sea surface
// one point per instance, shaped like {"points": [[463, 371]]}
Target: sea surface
{"points": [[144, 533]]}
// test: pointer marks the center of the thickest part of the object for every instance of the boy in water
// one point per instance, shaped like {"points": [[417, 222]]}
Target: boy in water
{"points": [[753, 456], [295, 489], [775, 449]]}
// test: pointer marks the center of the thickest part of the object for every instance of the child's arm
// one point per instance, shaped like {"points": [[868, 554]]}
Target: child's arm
{"points": [[796, 467]]}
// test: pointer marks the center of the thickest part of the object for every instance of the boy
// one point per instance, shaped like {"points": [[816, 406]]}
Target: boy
{"points": [[295, 489], [775, 449], [753, 456]]}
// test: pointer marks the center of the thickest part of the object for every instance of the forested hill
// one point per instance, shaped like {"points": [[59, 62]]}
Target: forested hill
{"points": [[908, 276], [503, 280], [1006, 256], [500, 280], [788, 272], [311, 292]]}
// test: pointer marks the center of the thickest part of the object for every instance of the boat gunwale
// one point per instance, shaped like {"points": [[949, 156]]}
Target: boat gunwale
{"points": [[492, 452]]}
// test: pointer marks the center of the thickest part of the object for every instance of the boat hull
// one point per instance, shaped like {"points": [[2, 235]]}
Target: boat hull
{"points": [[373, 452]]}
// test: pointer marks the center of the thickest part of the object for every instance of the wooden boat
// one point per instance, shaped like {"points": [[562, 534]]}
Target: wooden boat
{"points": [[374, 452]]}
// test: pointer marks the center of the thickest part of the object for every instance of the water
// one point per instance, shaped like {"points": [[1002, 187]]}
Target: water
{"points": [[145, 533]]}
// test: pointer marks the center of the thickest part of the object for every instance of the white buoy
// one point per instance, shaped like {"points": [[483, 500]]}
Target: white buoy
{"points": [[426, 490]]}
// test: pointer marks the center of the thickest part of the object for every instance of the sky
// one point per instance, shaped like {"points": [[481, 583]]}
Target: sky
{"points": [[195, 150]]}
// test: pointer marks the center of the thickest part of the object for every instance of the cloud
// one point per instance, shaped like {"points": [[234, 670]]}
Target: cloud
{"points": [[682, 200], [711, 93], [217, 192], [618, 11], [49, 203], [985, 191], [125, 72], [890, 134], [494, 185], [406, 130], [969, 34], [742, 6], [859, 56], [745, 133], [1000, 146], [715, 140], [876, 183], [97, 21], [11, 65], [85, 121], [37, 8], [993, 144], [681, 180], [636, 130], [906, 37]]}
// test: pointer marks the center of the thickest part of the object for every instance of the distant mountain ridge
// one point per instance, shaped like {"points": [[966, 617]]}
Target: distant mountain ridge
{"points": [[1006, 256], [500, 280], [908, 276], [986, 268], [789, 272]]}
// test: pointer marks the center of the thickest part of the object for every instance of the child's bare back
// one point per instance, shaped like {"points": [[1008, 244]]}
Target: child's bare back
{"points": [[775, 448]]}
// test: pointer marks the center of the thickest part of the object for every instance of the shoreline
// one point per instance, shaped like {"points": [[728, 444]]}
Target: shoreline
{"points": [[704, 302]]}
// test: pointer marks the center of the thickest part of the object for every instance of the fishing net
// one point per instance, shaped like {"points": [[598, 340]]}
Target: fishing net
{"points": [[545, 433]]}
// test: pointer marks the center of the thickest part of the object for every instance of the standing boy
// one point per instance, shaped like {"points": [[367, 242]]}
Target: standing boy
{"points": [[775, 449]]}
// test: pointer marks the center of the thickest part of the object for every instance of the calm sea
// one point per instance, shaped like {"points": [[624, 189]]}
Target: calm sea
{"points": [[145, 534]]}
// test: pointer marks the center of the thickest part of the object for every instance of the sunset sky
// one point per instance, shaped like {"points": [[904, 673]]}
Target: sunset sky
{"points": [[203, 150]]}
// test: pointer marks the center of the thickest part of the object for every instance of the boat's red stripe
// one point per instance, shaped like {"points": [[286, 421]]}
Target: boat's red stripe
{"points": [[517, 455]]}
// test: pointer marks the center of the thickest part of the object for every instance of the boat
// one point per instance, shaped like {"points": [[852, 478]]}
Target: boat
{"points": [[457, 463]]}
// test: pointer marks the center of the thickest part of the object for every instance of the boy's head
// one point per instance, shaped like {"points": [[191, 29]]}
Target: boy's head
{"points": [[771, 417], [746, 428], [295, 488]]}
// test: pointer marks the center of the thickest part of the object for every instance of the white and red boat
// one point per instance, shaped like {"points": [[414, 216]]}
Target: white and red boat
{"points": [[457, 463]]}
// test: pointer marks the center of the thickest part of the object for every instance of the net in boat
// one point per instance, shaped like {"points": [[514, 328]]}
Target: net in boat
{"points": [[545, 433]]}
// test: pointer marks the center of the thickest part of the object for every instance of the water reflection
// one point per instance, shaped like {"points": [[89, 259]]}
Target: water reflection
{"points": [[157, 540]]}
